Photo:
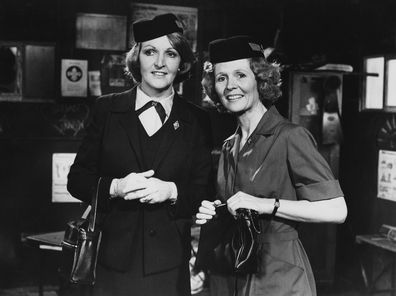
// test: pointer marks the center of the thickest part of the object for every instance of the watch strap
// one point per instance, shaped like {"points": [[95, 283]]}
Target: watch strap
{"points": [[276, 207]]}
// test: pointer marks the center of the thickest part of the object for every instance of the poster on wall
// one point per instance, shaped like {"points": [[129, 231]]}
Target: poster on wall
{"points": [[101, 31], [74, 78], [61, 163], [387, 175], [187, 15]]}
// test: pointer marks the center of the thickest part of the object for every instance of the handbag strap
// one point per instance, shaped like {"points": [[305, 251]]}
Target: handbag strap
{"points": [[94, 206]]}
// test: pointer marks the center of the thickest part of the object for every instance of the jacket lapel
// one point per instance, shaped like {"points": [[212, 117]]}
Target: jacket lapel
{"points": [[268, 128], [231, 147], [267, 132], [125, 107], [178, 121]]}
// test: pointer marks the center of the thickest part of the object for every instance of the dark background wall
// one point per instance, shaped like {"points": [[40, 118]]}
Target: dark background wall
{"points": [[306, 32]]}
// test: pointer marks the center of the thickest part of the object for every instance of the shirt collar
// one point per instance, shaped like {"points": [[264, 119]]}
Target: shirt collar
{"points": [[142, 98]]}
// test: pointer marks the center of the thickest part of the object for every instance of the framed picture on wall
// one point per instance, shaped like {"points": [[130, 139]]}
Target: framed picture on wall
{"points": [[101, 31], [187, 15]]}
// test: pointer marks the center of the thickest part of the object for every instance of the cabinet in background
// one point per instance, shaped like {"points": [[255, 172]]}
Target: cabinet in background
{"points": [[315, 100]]}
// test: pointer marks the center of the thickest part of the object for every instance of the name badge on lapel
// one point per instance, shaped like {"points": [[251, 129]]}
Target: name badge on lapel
{"points": [[176, 125]]}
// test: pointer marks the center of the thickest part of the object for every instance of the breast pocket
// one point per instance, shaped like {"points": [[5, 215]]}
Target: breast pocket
{"points": [[261, 179]]}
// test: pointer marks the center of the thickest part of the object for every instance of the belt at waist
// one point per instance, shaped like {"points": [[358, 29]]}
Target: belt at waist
{"points": [[268, 237]]}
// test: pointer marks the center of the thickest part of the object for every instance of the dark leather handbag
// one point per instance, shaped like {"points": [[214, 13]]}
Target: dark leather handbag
{"points": [[229, 245], [244, 241], [80, 246]]}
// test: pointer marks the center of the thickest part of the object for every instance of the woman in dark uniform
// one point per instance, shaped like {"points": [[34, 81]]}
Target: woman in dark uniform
{"points": [[150, 151], [269, 165]]}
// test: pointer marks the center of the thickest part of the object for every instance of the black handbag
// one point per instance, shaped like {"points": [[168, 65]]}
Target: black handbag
{"points": [[244, 241], [229, 245], [80, 246]]}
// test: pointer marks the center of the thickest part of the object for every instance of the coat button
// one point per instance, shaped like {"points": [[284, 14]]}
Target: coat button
{"points": [[152, 232]]}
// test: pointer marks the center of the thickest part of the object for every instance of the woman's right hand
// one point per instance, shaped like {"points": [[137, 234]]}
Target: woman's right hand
{"points": [[206, 211]]}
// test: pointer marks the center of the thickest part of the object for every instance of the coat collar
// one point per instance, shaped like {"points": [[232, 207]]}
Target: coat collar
{"points": [[265, 127], [124, 101], [269, 122]]}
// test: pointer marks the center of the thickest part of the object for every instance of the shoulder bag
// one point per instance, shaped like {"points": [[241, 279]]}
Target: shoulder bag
{"points": [[80, 245]]}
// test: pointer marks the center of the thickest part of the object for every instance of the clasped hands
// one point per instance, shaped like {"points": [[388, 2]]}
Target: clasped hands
{"points": [[143, 186], [239, 200]]}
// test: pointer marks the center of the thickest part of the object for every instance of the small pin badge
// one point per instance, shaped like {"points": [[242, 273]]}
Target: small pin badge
{"points": [[176, 125]]}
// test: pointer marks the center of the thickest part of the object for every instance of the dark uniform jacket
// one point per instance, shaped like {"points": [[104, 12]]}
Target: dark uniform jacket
{"points": [[111, 149]]}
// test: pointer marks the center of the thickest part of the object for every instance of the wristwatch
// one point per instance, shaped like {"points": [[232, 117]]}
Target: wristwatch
{"points": [[276, 207]]}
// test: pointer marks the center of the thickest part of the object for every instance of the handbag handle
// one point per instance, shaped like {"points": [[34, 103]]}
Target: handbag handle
{"points": [[94, 206]]}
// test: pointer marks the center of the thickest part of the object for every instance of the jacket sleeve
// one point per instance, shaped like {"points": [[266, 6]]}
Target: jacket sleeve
{"points": [[84, 173]]}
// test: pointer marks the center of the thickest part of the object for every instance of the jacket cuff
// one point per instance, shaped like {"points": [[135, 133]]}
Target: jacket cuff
{"points": [[173, 197], [320, 191], [104, 192]]}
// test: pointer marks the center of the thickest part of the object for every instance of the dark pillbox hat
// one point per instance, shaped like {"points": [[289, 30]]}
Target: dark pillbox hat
{"points": [[160, 25], [234, 48]]}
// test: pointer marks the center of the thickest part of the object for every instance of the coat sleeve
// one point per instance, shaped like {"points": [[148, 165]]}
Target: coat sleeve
{"points": [[311, 174], [84, 173]]}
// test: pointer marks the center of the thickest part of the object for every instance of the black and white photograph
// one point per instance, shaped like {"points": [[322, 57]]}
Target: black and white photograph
{"points": [[197, 148]]}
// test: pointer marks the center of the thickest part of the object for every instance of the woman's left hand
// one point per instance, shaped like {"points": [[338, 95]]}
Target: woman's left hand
{"points": [[242, 200], [155, 191]]}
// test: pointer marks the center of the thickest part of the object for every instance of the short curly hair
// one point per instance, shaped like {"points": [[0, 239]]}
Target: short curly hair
{"points": [[179, 43], [268, 77]]}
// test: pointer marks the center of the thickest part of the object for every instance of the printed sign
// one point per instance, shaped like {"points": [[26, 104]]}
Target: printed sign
{"points": [[74, 78], [387, 175], [61, 163]]}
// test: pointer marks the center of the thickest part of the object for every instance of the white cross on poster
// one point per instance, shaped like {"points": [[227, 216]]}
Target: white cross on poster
{"points": [[74, 78]]}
